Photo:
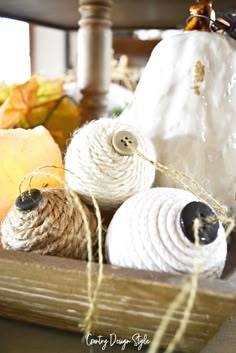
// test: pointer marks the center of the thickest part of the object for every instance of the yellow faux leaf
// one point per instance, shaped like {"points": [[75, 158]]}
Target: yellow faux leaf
{"points": [[49, 90], [16, 106], [60, 117], [4, 92]]}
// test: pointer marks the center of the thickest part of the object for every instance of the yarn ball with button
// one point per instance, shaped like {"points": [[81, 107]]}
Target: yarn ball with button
{"points": [[153, 230], [105, 166], [48, 222]]}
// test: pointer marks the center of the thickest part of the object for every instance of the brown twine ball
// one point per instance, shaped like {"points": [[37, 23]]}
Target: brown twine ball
{"points": [[55, 227]]}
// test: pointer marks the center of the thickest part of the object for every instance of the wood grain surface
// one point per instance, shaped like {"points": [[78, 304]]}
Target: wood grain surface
{"points": [[94, 57], [53, 291], [22, 337]]}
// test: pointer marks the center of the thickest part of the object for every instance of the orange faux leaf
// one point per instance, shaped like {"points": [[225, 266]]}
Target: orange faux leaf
{"points": [[41, 102], [16, 106]]}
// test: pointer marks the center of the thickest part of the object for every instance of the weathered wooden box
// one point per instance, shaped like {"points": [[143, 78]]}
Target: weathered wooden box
{"points": [[52, 291]]}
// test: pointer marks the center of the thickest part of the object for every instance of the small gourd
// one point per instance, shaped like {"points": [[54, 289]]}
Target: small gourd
{"points": [[99, 162], [153, 230], [186, 103], [49, 222]]}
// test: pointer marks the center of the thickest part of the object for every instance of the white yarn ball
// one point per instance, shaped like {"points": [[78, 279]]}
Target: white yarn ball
{"points": [[145, 233], [100, 170]]}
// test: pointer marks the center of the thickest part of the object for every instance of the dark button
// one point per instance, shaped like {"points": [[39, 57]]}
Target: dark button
{"points": [[208, 231], [28, 200], [122, 140]]}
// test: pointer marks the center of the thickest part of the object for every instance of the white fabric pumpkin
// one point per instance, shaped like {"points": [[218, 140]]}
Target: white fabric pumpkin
{"points": [[186, 103]]}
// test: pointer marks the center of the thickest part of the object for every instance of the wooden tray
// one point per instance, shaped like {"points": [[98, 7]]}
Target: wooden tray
{"points": [[52, 291]]}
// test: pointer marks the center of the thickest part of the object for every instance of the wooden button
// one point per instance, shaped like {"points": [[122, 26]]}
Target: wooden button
{"points": [[122, 141]]}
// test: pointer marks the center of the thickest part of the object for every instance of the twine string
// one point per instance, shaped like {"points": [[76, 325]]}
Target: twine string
{"points": [[92, 294], [182, 179], [175, 304], [190, 290], [36, 172], [89, 319], [78, 204]]}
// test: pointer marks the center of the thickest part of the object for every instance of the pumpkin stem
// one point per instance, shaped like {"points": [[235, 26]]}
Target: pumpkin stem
{"points": [[200, 16]]}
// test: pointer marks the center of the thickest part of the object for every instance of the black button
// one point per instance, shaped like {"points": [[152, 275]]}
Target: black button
{"points": [[208, 231], [28, 200]]}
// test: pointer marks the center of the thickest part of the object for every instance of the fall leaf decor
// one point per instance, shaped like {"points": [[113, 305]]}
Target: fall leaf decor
{"points": [[40, 102]]}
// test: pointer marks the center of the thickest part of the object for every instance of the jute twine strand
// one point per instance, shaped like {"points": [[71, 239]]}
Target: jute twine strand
{"points": [[89, 319], [89, 249], [196, 189], [182, 179], [92, 295], [190, 288]]}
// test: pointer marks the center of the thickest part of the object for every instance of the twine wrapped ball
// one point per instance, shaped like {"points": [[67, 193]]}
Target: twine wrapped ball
{"points": [[47, 222], [101, 162], [153, 230]]}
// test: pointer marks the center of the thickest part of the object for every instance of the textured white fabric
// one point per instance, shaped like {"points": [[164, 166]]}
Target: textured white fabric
{"points": [[145, 233], [98, 169], [195, 133]]}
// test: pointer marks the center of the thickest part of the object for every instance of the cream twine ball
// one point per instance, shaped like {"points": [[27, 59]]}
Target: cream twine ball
{"points": [[145, 233], [99, 169], [54, 227]]}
